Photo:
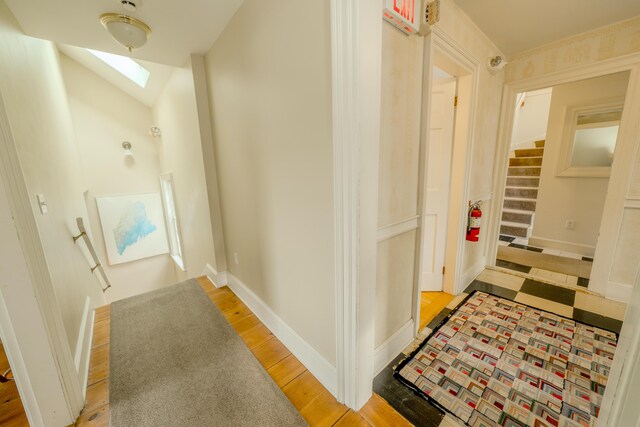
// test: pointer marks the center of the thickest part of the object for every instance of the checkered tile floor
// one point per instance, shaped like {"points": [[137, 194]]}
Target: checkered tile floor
{"points": [[575, 304]]}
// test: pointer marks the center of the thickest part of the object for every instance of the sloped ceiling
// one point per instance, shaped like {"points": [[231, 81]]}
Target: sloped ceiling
{"points": [[518, 25], [179, 27]]}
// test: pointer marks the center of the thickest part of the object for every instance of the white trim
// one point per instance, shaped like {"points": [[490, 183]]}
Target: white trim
{"points": [[632, 203], [57, 344], [392, 347], [474, 271], [18, 368], [356, 64], [619, 292], [83, 347], [561, 245], [392, 230], [625, 365], [218, 279], [320, 367]]}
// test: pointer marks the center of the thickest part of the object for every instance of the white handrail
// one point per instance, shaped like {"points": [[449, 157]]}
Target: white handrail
{"points": [[92, 251]]}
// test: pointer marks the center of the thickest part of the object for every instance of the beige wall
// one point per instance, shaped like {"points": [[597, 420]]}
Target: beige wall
{"points": [[577, 198], [399, 147], [398, 176], [530, 120], [269, 78], [104, 117], [181, 154], [34, 94]]}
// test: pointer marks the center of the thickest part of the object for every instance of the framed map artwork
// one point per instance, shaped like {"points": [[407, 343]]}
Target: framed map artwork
{"points": [[133, 226]]}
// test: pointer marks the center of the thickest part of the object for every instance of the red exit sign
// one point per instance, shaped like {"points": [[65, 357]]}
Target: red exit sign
{"points": [[403, 14]]}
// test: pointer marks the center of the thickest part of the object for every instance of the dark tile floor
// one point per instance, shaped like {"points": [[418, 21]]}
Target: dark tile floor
{"points": [[555, 299]]}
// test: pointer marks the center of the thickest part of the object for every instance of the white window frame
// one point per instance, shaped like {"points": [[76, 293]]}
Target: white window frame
{"points": [[171, 218]]}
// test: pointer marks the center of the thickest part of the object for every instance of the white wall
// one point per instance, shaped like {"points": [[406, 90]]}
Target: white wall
{"points": [[104, 117], [181, 154], [577, 198], [530, 120], [34, 93], [269, 79], [398, 176]]}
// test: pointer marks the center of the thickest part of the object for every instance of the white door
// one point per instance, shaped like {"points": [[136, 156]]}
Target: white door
{"points": [[438, 172]]}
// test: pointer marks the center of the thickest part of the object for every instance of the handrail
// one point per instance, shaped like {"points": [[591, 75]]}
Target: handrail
{"points": [[92, 251]]}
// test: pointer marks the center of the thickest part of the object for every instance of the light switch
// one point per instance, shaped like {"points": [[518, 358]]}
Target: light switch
{"points": [[42, 203]]}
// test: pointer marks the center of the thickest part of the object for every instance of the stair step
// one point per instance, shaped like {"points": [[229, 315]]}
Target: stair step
{"points": [[523, 171], [530, 152], [525, 161], [520, 204], [517, 181], [513, 229], [540, 143], [521, 217], [523, 193]]}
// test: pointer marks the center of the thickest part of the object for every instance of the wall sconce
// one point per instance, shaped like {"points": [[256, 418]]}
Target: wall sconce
{"points": [[155, 132], [495, 64], [126, 145]]}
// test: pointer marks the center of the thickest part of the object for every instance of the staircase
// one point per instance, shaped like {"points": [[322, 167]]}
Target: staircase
{"points": [[521, 192]]}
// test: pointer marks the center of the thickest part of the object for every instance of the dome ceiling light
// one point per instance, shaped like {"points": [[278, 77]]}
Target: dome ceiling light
{"points": [[126, 30]]}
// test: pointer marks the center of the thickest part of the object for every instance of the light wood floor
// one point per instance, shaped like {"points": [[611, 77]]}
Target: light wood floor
{"points": [[11, 410], [305, 392]]}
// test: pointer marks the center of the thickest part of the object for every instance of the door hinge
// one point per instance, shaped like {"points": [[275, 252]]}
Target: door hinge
{"points": [[442, 269], [455, 101]]}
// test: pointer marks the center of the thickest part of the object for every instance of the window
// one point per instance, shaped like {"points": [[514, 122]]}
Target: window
{"points": [[175, 247], [125, 66], [589, 140]]}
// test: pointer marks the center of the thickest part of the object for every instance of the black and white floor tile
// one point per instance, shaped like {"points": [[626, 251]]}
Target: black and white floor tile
{"points": [[576, 304]]}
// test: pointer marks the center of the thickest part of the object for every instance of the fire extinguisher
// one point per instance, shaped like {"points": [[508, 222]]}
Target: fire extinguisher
{"points": [[473, 221]]}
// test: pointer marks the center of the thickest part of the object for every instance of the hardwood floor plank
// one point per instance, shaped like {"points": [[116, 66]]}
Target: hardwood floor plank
{"points": [[19, 421], [101, 333], [302, 390], [247, 324], [102, 313], [352, 419], [96, 418], [378, 412], [286, 370], [323, 410], [432, 303], [97, 395], [270, 352], [99, 364], [256, 336], [237, 313]]}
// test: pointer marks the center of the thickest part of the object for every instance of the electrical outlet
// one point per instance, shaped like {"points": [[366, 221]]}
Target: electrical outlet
{"points": [[235, 258], [570, 224]]}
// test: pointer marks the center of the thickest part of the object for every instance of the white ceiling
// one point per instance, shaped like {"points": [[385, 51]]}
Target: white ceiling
{"points": [[158, 77], [517, 25], [179, 27]]}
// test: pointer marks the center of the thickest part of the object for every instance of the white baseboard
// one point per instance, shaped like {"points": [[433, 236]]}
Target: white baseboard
{"points": [[618, 292], [83, 345], [320, 367], [563, 246], [471, 274], [389, 349], [218, 279]]}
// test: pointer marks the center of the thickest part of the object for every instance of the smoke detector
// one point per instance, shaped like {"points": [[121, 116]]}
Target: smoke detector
{"points": [[130, 5]]}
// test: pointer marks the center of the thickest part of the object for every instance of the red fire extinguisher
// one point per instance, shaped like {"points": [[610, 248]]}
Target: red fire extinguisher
{"points": [[473, 221]]}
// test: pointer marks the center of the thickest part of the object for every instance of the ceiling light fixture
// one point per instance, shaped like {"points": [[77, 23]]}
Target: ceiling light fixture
{"points": [[129, 32]]}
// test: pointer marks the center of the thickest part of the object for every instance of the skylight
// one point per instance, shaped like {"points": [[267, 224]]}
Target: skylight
{"points": [[124, 65]]}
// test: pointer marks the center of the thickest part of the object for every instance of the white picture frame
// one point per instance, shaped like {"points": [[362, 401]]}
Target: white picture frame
{"points": [[133, 226]]}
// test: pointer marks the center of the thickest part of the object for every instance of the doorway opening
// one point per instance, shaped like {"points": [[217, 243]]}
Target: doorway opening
{"points": [[443, 180], [560, 158]]}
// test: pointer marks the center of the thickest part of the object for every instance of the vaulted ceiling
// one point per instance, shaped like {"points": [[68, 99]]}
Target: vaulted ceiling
{"points": [[179, 27]]}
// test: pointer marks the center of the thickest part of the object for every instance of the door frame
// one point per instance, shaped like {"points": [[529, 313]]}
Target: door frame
{"points": [[59, 392], [625, 152], [439, 43]]}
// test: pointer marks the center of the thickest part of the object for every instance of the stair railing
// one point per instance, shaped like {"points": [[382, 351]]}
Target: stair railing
{"points": [[98, 265]]}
